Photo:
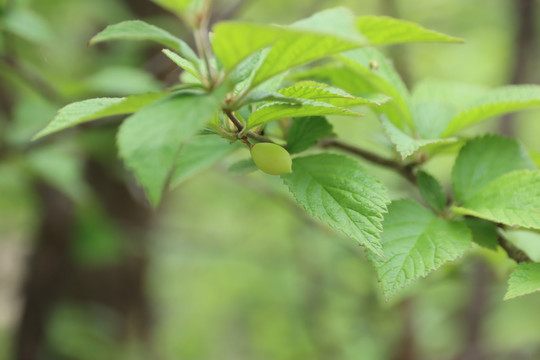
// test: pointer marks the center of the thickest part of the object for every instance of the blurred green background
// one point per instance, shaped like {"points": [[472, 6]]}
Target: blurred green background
{"points": [[229, 267]]}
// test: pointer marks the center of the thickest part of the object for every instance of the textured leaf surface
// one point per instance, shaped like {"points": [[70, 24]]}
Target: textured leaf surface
{"points": [[199, 154], [306, 132], [483, 160], [87, 110], [325, 93], [524, 280], [279, 110], [497, 102], [149, 140], [431, 191], [336, 189], [511, 199], [139, 30], [415, 242], [386, 30]]}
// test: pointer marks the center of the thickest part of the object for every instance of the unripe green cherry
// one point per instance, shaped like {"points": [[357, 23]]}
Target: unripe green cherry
{"points": [[271, 158]]}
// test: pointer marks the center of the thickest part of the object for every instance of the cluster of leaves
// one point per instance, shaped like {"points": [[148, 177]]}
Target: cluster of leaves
{"points": [[258, 77]]}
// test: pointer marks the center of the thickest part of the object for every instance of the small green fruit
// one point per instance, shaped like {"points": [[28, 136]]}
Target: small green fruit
{"points": [[271, 158]]}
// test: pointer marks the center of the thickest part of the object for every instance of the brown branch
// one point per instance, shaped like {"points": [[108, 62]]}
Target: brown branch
{"points": [[513, 251], [407, 171]]}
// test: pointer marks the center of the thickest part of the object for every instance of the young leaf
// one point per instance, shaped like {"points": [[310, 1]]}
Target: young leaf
{"points": [[305, 132], [139, 30], [279, 110], [336, 189], [325, 93], [291, 46], [497, 102], [484, 159], [511, 199], [405, 144], [264, 95], [149, 140], [431, 191], [87, 110], [484, 233], [182, 63], [380, 78], [381, 30], [415, 242], [524, 280], [198, 154]]}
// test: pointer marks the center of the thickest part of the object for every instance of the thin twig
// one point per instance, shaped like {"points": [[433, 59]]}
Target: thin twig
{"points": [[407, 171], [513, 251]]}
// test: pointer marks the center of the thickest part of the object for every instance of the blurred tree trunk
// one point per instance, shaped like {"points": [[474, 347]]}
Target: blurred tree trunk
{"points": [[475, 312], [525, 52], [53, 275], [46, 270]]}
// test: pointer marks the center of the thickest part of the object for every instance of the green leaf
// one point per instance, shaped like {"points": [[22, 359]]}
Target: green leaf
{"points": [[524, 280], [407, 145], [484, 233], [245, 69], [415, 242], [87, 110], [305, 132], [182, 63], [436, 102], [336, 189], [200, 153], [381, 30], [149, 141], [499, 101], [511, 199], [279, 110], [264, 95], [339, 20], [243, 167], [431, 191], [484, 159], [139, 30], [375, 74], [325, 93], [301, 43]]}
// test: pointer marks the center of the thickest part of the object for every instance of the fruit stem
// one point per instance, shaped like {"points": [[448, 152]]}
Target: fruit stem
{"points": [[242, 134]]}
